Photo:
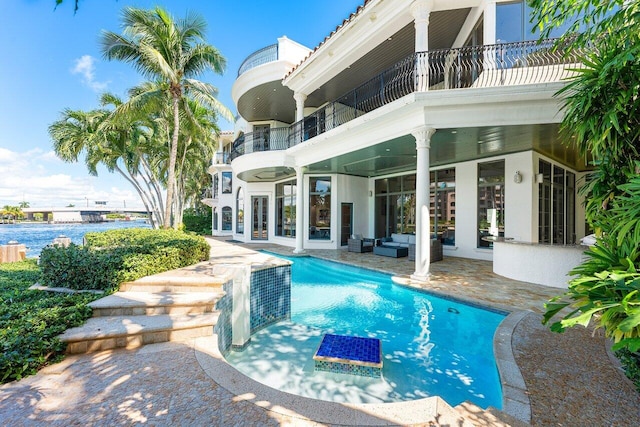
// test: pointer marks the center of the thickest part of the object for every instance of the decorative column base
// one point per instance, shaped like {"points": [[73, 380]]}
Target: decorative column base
{"points": [[420, 277]]}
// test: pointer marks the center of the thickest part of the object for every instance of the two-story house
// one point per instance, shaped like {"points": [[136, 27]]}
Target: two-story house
{"points": [[430, 117]]}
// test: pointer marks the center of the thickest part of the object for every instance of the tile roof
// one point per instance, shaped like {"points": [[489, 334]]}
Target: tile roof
{"points": [[340, 26]]}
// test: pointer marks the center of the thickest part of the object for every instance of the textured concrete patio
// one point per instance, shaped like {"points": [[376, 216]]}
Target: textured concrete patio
{"points": [[570, 378]]}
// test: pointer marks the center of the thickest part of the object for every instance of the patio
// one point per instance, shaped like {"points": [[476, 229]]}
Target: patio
{"points": [[570, 378]]}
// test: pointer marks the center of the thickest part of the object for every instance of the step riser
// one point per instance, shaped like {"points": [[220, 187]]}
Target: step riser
{"points": [[154, 288], [151, 311], [138, 340]]}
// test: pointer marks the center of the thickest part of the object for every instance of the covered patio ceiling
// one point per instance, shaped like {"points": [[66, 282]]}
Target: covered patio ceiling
{"points": [[450, 146]]}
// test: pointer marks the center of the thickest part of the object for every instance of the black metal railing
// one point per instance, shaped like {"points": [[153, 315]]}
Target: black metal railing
{"points": [[261, 140], [223, 158], [259, 57], [503, 64]]}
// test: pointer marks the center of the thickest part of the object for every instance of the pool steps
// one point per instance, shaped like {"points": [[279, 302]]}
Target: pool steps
{"points": [[149, 311]]}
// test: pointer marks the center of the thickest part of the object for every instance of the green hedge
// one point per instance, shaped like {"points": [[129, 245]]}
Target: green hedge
{"points": [[112, 257], [631, 364], [31, 320], [197, 223]]}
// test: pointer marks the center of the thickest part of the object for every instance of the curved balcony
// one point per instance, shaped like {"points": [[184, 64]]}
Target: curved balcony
{"points": [[505, 64], [259, 57], [252, 142]]}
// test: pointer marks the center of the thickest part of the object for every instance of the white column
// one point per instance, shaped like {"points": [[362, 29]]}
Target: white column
{"points": [[299, 210], [421, 9], [423, 233], [300, 98], [489, 25]]}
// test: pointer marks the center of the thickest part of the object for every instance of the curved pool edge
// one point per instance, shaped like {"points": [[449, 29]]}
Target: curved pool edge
{"points": [[515, 399], [311, 410]]}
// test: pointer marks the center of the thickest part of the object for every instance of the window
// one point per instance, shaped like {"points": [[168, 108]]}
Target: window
{"points": [[216, 180], [556, 205], [226, 182], [286, 209], [513, 23], [395, 205], [227, 218], [215, 219], [443, 205], [240, 211], [490, 202], [320, 208]]}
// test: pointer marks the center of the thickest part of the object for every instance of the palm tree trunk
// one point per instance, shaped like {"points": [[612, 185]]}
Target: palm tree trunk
{"points": [[173, 153], [153, 194], [152, 181], [141, 193]]}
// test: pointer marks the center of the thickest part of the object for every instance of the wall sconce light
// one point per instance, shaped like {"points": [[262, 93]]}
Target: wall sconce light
{"points": [[370, 193], [517, 178]]}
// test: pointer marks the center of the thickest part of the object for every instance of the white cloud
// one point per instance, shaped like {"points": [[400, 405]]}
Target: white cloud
{"points": [[43, 180], [85, 66]]}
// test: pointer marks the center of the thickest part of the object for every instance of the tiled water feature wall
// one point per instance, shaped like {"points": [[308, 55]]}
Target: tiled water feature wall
{"points": [[270, 296], [269, 302]]}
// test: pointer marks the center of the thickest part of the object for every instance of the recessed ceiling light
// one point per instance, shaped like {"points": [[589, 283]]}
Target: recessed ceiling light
{"points": [[454, 132], [388, 149]]}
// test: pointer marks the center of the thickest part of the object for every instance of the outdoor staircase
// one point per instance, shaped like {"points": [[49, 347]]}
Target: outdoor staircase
{"points": [[151, 310]]}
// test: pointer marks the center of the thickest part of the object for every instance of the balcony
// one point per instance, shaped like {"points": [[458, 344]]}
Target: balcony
{"points": [[259, 57], [506, 64], [223, 158]]}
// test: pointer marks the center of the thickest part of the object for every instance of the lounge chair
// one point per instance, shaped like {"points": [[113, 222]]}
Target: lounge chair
{"points": [[360, 244]]}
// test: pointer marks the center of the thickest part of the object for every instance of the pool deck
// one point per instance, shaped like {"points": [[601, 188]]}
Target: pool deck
{"points": [[570, 378]]}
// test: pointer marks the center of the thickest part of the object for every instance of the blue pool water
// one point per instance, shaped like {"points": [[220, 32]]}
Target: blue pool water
{"points": [[38, 235], [431, 346]]}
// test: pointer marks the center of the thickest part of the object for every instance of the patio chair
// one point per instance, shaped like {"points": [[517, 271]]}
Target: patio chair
{"points": [[359, 244]]}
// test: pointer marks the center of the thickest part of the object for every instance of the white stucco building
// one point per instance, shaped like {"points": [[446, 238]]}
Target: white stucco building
{"points": [[430, 117]]}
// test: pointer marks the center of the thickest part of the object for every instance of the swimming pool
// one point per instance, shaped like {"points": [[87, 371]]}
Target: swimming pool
{"points": [[431, 346]]}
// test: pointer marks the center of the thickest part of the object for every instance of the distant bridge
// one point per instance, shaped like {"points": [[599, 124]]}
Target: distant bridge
{"points": [[77, 214]]}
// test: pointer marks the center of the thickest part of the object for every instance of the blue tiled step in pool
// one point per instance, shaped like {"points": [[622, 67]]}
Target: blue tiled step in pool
{"points": [[345, 354]]}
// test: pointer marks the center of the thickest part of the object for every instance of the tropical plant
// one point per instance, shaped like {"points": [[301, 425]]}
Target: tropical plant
{"points": [[12, 213], [602, 119], [171, 54]]}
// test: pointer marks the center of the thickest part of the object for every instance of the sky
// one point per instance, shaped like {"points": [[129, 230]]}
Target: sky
{"points": [[51, 61]]}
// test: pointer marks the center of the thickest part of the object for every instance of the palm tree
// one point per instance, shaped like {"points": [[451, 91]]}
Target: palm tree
{"points": [[113, 141], [171, 54]]}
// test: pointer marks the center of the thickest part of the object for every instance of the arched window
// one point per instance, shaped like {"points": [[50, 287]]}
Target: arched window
{"points": [[215, 219], [227, 218], [240, 211]]}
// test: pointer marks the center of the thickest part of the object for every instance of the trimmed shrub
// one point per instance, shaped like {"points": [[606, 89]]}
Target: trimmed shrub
{"points": [[197, 223], [31, 320], [112, 257]]}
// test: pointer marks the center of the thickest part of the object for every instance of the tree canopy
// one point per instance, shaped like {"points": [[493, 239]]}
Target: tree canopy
{"points": [[602, 119], [171, 54]]}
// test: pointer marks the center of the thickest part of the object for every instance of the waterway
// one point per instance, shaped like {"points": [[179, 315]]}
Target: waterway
{"points": [[38, 235]]}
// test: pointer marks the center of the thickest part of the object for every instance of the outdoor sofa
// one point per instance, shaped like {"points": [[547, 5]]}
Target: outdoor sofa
{"points": [[395, 245]]}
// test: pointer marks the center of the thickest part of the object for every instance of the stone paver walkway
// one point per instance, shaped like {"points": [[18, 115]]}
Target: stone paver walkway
{"points": [[163, 384]]}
